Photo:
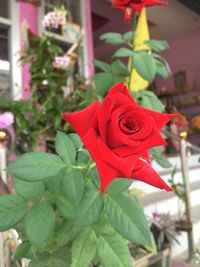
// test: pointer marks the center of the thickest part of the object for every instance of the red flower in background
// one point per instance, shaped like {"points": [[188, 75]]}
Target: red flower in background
{"points": [[129, 7], [118, 134]]}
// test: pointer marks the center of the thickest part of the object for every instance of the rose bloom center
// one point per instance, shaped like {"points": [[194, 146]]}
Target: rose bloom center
{"points": [[128, 125]]}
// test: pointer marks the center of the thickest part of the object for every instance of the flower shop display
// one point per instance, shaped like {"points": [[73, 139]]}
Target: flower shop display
{"points": [[72, 207]]}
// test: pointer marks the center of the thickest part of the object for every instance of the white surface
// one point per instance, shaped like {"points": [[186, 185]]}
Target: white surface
{"points": [[3, 164]]}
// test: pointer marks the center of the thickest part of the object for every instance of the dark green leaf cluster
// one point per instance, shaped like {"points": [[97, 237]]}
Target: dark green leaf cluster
{"points": [[39, 117], [111, 75], [61, 216], [146, 63]]}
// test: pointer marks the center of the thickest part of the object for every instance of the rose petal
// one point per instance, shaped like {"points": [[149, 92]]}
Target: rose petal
{"points": [[160, 118], [124, 166], [106, 172], [121, 88], [83, 120], [145, 173]]}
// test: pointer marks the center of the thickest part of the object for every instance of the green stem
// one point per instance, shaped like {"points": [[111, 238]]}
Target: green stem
{"points": [[133, 27]]}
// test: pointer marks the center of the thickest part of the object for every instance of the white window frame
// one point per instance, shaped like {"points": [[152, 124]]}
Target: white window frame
{"points": [[13, 25], [15, 47]]}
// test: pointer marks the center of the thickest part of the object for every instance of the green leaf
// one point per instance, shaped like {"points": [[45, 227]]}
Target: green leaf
{"points": [[126, 216], [84, 248], [149, 100], [145, 65], [157, 45], [83, 157], [39, 224], [73, 184], [103, 82], [22, 250], [66, 207], [76, 140], [129, 36], [118, 186], [36, 166], [113, 251], [29, 190], [145, 102], [60, 258], [12, 210], [102, 65], [39, 262], [162, 69], [118, 68], [163, 161], [123, 52], [65, 233], [112, 38], [65, 148], [54, 184], [90, 208]]}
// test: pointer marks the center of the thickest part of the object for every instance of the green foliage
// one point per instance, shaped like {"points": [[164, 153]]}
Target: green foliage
{"points": [[112, 251], [84, 248], [90, 208], [12, 210], [39, 224], [123, 52], [145, 65], [160, 158], [112, 38], [162, 67], [119, 185], [36, 166], [65, 148], [114, 73], [27, 190], [73, 184], [126, 216], [64, 219], [157, 45], [39, 117]]}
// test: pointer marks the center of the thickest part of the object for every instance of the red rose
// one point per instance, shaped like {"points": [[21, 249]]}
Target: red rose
{"points": [[129, 7], [118, 134]]}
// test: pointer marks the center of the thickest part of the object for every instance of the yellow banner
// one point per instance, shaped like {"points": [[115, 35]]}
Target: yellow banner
{"points": [[137, 82]]}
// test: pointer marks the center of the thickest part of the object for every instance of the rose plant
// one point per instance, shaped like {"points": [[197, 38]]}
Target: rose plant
{"points": [[66, 214], [72, 208]]}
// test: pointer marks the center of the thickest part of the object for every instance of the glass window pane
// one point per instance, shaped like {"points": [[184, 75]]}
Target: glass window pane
{"points": [[4, 62], [4, 9]]}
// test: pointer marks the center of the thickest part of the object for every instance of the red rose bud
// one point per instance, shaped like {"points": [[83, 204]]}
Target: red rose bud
{"points": [[129, 7], [118, 134]]}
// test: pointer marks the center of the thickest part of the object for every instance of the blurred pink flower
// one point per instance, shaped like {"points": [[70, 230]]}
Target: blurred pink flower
{"points": [[6, 119], [54, 19], [62, 62]]}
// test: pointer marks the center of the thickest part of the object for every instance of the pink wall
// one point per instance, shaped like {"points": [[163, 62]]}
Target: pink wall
{"points": [[183, 55], [29, 13]]}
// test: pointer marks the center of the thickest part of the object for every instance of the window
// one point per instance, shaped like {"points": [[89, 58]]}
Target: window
{"points": [[10, 73], [5, 25]]}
